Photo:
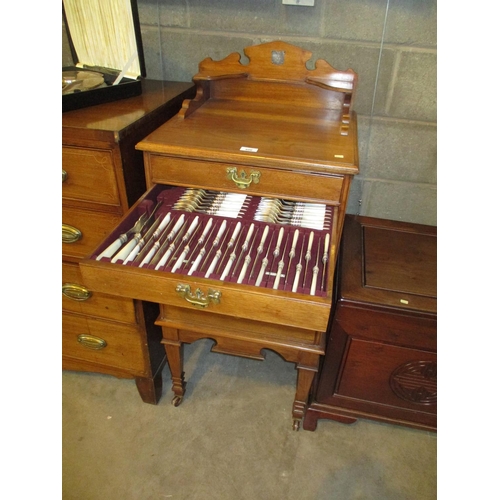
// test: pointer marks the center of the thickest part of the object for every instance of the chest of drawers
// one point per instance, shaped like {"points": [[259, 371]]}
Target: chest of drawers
{"points": [[381, 357], [268, 130], [102, 177]]}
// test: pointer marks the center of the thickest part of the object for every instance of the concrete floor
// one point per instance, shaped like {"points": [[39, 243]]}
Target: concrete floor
{"points": [[231, 438]]}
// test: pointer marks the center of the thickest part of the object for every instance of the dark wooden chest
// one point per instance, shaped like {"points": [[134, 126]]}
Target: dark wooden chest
{"points": [[381, 356]]}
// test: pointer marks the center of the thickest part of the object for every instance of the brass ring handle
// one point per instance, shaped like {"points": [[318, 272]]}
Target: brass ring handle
{"points": [[70, 234], [91, 341], [64, 175], [242, 181], [74, 291], [198, 299]]}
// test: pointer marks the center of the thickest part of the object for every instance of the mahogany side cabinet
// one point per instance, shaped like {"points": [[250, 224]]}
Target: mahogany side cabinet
{"points": [[102, 176], [381, 356]]}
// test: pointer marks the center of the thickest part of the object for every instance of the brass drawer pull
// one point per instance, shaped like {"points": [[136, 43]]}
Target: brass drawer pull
{"points": [[242, 181], [91, 341], [198, 299], [74, 291], [70, 234], [64, 175]]}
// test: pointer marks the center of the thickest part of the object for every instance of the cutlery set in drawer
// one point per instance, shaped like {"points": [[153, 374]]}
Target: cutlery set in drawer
{"points": [[232, 237]]}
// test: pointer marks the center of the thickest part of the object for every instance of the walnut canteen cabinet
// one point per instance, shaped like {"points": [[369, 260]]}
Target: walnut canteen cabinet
{"points": [[381, 357], [228, 260], [102, 177]]}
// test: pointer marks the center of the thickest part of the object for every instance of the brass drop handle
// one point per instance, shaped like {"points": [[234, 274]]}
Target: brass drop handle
{"points": [[198, 299], [64, 175], [91, 341], [74, 291], [70, 234], [242, 181]]}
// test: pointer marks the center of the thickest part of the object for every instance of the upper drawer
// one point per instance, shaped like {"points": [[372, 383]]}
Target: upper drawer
{"points": [[89, 175], [82, 230], [252, 180]]}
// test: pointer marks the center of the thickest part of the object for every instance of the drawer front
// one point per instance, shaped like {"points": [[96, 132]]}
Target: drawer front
{"points": [[271, 182], [413, 331], [240, 301], [78, 298], [390, 375], [101, 342], [89, 175], [83, 230]]}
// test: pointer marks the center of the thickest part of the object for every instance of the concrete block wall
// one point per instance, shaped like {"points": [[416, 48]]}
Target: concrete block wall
{"points": [[391, 44]]}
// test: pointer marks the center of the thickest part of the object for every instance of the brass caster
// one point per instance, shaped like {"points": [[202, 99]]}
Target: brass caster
{"points": [[177, 400], [296, 425]]}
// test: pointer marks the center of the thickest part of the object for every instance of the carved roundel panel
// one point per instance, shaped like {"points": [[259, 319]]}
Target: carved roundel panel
{"points": [[416, 382]]}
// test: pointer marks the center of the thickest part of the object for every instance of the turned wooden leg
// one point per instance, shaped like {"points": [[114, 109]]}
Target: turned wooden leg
{"points": [[305, 376], [175, 358], [150, 389]]}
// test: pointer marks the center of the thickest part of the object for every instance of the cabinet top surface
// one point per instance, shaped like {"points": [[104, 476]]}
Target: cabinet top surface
{"points": [[272, 111], [118, 115], [389, 263], [250, 133]]}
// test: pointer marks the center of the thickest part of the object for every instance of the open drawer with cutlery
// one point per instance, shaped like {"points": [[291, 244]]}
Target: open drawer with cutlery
{"points": [[236, 238], [221, 248]]}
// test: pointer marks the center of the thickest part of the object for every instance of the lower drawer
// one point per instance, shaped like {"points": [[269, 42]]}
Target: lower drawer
{"points": [[102, 342], [274, 299], [78, 298], [390, 375], [243, 329]]}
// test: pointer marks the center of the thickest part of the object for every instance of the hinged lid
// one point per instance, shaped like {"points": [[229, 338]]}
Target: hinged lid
{"points": [[105, 35], [389, 264]]}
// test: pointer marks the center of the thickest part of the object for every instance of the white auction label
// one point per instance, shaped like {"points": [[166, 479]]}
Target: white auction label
{"points": [[250, 150]]}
